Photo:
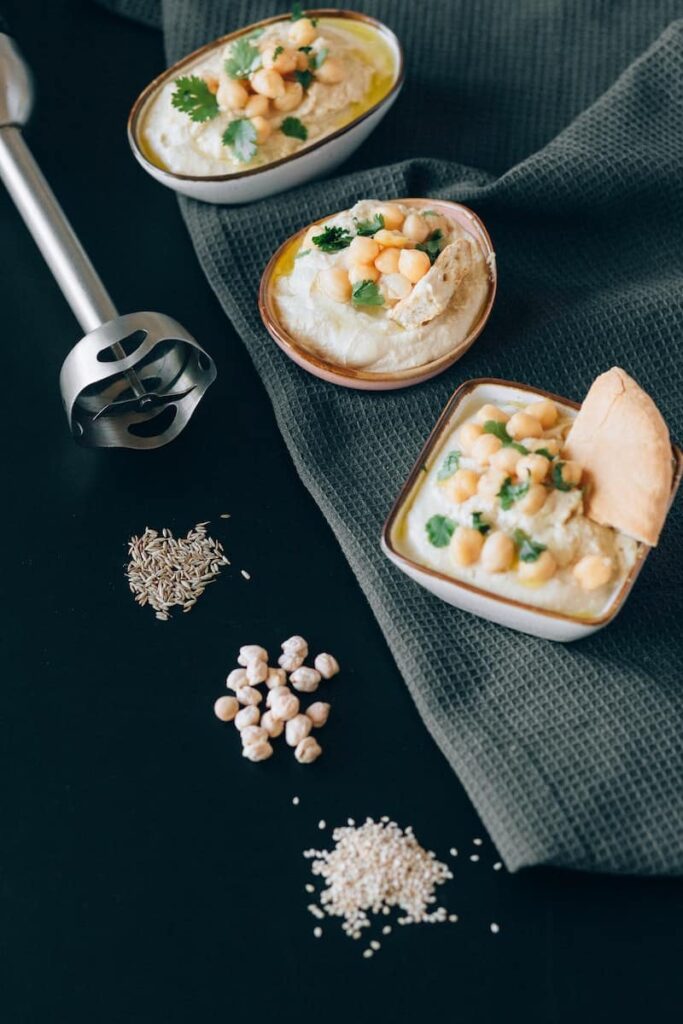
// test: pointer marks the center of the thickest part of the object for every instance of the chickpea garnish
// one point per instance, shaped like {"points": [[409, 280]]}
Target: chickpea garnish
{"points": [[416, 228], [294, 94], [466, 544], [363, 249], [285, 61], [212, 82], [392, 216], [226, 708], [462, 485], [257, 106], [363, 272], [387, 261], [331, 71], [492, 412], [544, 411], [539, 571], [498, 552], [593, 571], [468, 435], [413, 264], [491, 482], [506, 459], [533, 467], [485, 447], [267, 82], [391, 239], [533, 501], [571, 472], [335, 283], [231, 95], [301, 32], [521, 425], [534, 444]]}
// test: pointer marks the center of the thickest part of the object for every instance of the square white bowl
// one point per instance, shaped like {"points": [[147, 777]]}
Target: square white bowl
{"points": [[549, 625]]}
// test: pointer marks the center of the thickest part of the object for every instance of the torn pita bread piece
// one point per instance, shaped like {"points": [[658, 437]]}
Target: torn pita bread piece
{"points": [[623, 444], [433, 292]]}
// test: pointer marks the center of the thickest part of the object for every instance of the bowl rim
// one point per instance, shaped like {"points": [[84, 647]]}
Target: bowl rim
{"points": [[300, 354], [133, 124], [427, 450]]}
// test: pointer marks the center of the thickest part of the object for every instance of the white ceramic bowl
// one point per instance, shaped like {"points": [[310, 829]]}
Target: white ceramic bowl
{"points": [[312, 161], [540, 622]]}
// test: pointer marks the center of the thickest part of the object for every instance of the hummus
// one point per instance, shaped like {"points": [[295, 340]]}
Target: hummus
{"points": [[263, 96], [513, 523], [426, 279]]}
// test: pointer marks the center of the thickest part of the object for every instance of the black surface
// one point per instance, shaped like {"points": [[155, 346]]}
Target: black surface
{"points": [[149, 874]]}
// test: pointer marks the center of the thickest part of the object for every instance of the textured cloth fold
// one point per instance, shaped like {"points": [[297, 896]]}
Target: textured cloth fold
{"points": [[559, 122]]}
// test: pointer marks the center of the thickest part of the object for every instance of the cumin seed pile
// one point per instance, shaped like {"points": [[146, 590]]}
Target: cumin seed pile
{"points": [[165, 571]]}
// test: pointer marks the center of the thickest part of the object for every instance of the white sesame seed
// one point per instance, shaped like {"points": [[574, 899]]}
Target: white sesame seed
{"points": [[322, 824], [309, 887], [225, 515], [474, 857], [375, 944], [350, 821], [317, 931], [495, 928], [295, 801], [367, 953], [244, 573], [386, 930], [497, 866], [477, 842], [453, 852], [453, 918]]}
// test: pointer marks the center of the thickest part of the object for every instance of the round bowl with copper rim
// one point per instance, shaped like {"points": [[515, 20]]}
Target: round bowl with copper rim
{"points": [[382, 296], [254, 113]]}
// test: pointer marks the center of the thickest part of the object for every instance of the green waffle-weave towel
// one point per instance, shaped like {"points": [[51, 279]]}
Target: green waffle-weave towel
{"points": [[561, 123]]}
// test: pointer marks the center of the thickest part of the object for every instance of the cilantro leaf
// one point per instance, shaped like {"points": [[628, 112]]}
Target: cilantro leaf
{"points": [[193, 97], [244, 58], [333, 239], [510, 493], [303, 252], [440, 529], [305, 49], [240, 135], [558, 480], [545, 453], [297, 11], [479, 524], [366, 293], [293, 127], [277, 51], [304, 78], [498, 430], [449, 465], [318, 59], [432, 246], [529, 550], [369, 227]]}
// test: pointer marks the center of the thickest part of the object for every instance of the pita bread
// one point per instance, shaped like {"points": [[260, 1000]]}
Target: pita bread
{"points": [[622, 442], [433, 292]]}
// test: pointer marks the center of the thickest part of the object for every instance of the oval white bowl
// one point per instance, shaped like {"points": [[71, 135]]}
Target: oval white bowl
{"points": [[312, 161], [540, 622]]}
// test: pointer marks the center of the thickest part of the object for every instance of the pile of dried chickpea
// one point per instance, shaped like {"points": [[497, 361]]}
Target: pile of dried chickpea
{"points": [[283, 707]]}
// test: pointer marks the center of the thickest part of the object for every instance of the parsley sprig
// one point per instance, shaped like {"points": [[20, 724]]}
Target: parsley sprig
{"points": [[479, 524], [240, 136], [440, 529], [498, 430], [304, 78], [432, 246], [366, 293], [558, 480], [294, 128], [369, 227], [298, 13], [194, 98], [529, 550], [449, 466], [510, 493], [333, 239], [244, 58]]}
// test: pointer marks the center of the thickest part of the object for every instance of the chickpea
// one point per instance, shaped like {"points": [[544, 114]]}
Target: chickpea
{"points": [[237, 678], [335, 283], [301, 32], [264, 129], [212, 82], [539, 571], [416, 228], [544, 411], [492, 412], [491, 482], [467, 435], [331, 71], [435, 220], [251, 652], [535, 467], [534, 444], [462, 485], [363, 249], [257, 672], [273, 726], [284, 706], [248, 695], [571, 472], [302, 61], [318, 713], [506, 459], [247, 716], [294, 94], [387, 261], [592, 571], [498, 552], [276, 677], [392, 216], [308, 750], [277, 690], [297, 729], [413, 264], [327, 665], [231, 95], [305, 680], [521, 425], [253, 734], [226, 708], [257, 106], [291, 662], [267, 82], [391, 239], [486, 446], [295, 645], [466, 544], [533, 501], [284, 63], [363, 272], [258, 751]]}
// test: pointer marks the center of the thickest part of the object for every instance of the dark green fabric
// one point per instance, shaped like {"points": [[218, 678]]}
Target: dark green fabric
{"points": [[561, 123]]}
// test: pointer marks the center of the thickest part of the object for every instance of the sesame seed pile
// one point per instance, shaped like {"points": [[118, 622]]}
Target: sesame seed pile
{"points": [[165, 571], [371, 869]]}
